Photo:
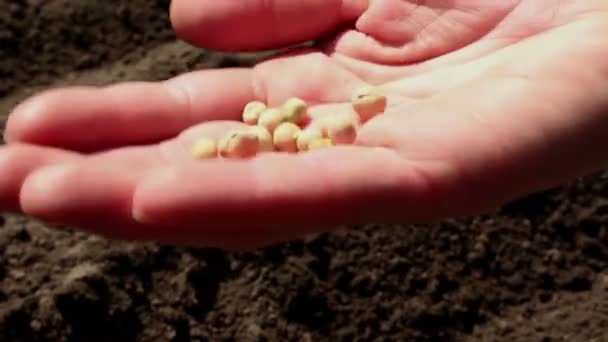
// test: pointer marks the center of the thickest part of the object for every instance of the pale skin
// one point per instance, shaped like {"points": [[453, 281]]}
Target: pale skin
{"points": [[487, 101]]}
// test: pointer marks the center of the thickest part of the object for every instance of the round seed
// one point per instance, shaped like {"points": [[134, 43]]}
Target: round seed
{"points": [[307, 135], [252, 112], [270, 119], [204, 148], [294, 110], [342, 129], [368, 102], [320, 143], [264, 137], [285, 137], [239, 144]]}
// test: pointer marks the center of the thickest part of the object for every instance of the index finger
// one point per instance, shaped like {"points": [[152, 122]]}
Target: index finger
{"points": [[246, 25]]}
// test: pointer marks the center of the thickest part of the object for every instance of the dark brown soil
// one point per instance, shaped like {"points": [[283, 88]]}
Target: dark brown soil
{"points": [[534, 271]]}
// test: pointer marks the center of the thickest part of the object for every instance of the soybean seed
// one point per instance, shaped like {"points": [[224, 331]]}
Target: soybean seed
{"points": [[320, 143], [204, 148], [294, 110], [264, 137], [270, 119], [341, 129], [252, 112], [307, 135], [368, 102], [285, 137], [239, 144]]}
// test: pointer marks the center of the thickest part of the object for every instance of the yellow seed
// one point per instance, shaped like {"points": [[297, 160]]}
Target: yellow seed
{"points": [[264, 137], [252, 112], [294, 110], [239, 143], [320, 143], [285, 137], [270, 119], [204, 148], [368, 102], [307, 135], [342, 130]]}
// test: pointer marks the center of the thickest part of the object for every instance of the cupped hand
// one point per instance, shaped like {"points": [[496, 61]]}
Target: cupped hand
{"points": [[487, 101]]}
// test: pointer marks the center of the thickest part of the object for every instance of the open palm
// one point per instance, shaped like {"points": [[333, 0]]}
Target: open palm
{"points": [[487, 101]]}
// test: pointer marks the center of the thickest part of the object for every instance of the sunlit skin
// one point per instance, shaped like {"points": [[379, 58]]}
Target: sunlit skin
{"points": [[487, 101]]}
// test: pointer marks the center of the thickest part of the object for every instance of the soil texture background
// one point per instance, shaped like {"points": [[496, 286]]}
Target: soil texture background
{"points": [[535, 270]]}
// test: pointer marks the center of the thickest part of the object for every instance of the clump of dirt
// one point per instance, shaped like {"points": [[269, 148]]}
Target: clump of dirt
{"points": [[533, 271]]}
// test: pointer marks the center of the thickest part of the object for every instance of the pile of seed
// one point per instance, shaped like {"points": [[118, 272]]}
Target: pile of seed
{"points": [[285, 128]]}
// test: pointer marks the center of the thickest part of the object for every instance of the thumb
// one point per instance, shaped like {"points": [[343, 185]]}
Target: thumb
{"points": [[246, 25]]}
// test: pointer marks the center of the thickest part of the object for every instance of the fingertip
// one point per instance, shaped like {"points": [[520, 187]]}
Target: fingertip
{"points": [[201, 23], [38, 196], [45, 118], [17, 161], [24, 119], [181, 21]]}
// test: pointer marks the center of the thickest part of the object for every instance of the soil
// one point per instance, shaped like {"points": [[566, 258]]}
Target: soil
{"points": [[535, 270]]}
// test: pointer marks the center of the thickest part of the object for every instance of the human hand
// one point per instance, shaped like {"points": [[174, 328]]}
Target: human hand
{"points": [[488, 101]]}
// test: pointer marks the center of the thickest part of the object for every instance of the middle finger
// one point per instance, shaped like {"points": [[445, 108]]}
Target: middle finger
{"points": [[88, 119]]}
